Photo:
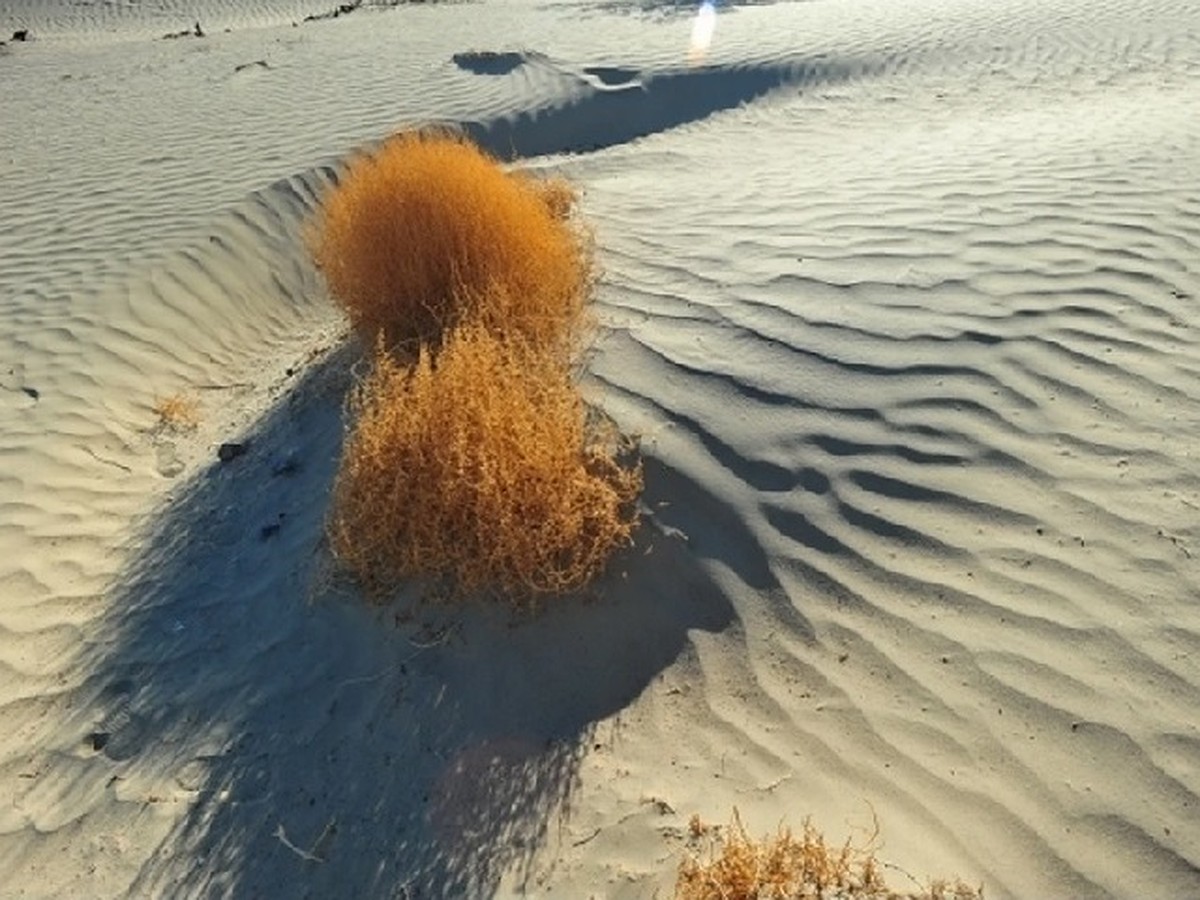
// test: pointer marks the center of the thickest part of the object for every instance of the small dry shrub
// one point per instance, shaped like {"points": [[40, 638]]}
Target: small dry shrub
{"points": [[804, 867], [178, 412], [428, 230], [479, 468]]}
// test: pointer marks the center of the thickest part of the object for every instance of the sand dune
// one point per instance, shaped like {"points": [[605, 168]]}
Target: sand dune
{"points": [[901, 299]]}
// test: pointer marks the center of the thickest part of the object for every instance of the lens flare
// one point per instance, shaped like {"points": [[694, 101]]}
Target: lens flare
{"points": [[702, 31]]}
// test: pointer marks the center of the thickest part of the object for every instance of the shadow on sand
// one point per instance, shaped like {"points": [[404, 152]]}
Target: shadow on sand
{"points": [[304, 743], [321, 747]]}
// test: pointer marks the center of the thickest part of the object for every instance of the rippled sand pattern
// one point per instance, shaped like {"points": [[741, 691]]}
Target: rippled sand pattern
{"points": [[903, 304]]}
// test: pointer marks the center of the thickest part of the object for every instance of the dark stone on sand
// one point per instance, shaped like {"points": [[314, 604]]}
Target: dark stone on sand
{"points": [[194, 31], [31, 392], [98, 740], [22, 35], [230, 451]]}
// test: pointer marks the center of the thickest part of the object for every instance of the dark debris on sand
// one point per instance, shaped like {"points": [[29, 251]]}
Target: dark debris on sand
{"points": [[194, 31], [228, 452], [343, 9]]}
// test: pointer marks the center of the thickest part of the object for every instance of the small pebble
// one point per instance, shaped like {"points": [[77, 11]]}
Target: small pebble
{"points": [[230, 451]]}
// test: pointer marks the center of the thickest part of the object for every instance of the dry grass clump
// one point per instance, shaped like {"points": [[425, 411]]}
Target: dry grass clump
{"points": [[178, 412], [473, 462], [428, 230], [790, 867], [558, 195], [479, 467]]}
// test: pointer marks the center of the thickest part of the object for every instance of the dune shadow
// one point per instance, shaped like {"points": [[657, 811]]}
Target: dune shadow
{"points": [[314, 745], [618, 107]]}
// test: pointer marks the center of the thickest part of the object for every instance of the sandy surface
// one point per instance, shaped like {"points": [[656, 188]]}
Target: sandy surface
{"points": [[902, 299]]}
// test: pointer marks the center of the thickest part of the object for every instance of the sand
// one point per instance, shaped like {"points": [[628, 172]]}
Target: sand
{"points": [[901, 299]]}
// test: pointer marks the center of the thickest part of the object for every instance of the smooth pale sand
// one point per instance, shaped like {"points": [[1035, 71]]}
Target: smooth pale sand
{"points": [[901, 299]]}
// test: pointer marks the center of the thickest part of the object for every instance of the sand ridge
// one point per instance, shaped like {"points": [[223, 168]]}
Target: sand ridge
{"points": [[900, 299]]}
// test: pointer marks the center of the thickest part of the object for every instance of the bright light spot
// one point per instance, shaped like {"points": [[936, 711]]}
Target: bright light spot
{"points": [[702, 30]]}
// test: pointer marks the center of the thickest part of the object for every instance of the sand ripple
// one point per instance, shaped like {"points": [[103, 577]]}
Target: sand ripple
{"points": [[902, 303]]}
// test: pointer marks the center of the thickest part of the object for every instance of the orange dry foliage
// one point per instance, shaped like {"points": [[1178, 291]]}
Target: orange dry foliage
{"points": [[559, 195], [428, 230], [787, 867], [177, 412], [481, 470]]}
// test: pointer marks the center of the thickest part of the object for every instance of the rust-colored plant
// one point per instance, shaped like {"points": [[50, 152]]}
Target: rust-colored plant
{"points": [[558, 194], [803, 867], [427, 231], [479, 467], [177, 412]]}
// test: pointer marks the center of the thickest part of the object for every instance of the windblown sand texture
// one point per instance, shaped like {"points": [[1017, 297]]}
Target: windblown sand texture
{"points": [[901, 298]]}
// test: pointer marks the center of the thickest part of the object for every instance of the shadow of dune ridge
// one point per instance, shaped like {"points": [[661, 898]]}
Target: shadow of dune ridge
{"points": [[410, 752], [299, 737], [615, 106]]}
